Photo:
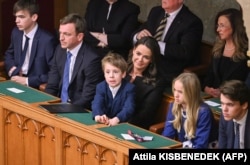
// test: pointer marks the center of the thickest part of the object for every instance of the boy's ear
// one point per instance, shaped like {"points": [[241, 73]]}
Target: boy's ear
{"points": [[34, 17], [124, 75]]}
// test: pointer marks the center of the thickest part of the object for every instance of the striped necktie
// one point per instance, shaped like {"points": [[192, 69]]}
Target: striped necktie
{"points": [[161, 27]]}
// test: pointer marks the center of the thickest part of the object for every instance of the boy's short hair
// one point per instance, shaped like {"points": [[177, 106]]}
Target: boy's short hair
{"points": [[30, 5], [235, 90], [116, 60]]}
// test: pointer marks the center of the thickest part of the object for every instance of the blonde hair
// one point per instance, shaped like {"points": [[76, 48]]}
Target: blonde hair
{"points": [[192, 98], [116, 60]]}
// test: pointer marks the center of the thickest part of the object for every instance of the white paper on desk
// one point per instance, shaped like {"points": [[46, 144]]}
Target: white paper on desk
{"points": [[212, 103], [15, 90], [127, 136]]}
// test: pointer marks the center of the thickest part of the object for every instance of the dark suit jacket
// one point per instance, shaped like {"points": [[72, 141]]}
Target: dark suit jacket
{"points": [[226, 133], [41, 55], [148, 100], [183, 40], [87, 73], [229, 70], [122, 22], [121, 106]]}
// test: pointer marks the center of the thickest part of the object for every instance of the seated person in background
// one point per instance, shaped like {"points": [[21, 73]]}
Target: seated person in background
{"points": [[189, 119], [76, 68], [179, 40], [110, 25], [114, 101], [235, 103], [29, 56], [143, 72], [229, 51]]}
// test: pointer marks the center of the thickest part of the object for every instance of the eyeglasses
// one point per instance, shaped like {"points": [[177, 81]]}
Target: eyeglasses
{"points": [[222, 26]]}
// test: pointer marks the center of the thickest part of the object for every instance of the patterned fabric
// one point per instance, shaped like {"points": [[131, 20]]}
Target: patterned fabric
{"points": [[161, 27]]}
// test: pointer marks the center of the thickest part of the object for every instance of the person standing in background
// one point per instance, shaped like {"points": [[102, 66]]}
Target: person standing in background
{"points": [[229, 51], [76, 68], [179, 34], [29, 56], [110, 24]]}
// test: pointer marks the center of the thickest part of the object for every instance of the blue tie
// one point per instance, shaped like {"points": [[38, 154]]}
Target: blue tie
{"points": [[237, 136], [65, 85], [23, 55]]}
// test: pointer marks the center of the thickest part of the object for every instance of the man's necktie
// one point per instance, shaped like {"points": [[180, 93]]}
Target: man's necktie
{"points": [[237, 136], [161, 27], [64, 93], [23, 55]]}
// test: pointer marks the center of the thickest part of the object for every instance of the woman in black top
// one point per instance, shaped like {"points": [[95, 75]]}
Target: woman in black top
{"points": [[143, 63]]}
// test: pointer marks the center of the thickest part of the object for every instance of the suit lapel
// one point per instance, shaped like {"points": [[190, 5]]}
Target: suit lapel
{"points": [[19, 43], [175, 24], [34, 47], [78, 62], [247, 132]]}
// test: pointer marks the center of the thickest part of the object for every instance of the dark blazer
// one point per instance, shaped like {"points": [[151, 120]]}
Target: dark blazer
{"points": [[41, 55], [87, 73], [122, 106], [183, 40], [226, 133], [122, 22], [218, 72], [148, 100]]}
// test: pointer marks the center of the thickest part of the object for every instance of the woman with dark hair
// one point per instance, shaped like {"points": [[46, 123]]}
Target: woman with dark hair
{"points": [[229, 51], [143, 72]]}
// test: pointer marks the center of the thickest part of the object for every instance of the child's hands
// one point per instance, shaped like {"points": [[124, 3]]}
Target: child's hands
{"points": [[102, 119], [113, 121]]}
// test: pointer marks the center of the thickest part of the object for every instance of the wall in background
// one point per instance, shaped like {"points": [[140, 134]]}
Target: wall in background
{"points": [[205, 9]]}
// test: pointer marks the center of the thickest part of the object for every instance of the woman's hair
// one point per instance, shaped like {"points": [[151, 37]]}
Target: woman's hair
{"points": [[116, 60], [150, 73], [193, 99], [75, 18], [30, 5], [239, 35]]}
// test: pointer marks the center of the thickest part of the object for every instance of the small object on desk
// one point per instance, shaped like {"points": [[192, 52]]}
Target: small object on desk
{"points": [[134, 136], [63, 108]]}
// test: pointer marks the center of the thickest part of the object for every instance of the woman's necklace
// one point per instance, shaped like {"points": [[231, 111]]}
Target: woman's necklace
{"points": [[229, 49]]}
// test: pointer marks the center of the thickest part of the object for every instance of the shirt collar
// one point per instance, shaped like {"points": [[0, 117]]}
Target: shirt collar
{"points": [[75, 50], [31, 34]]}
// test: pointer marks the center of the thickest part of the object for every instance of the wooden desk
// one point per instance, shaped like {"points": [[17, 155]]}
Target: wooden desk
{"points": [[2, 79], [215, 105], [29, 135], [26, 94]]}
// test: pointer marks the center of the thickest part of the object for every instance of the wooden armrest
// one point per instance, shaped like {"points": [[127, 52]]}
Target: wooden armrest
{"points": [[42, 87], [3, 73], [157, 128], [199, 69]]}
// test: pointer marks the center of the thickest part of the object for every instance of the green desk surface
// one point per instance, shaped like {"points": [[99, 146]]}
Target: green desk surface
{"points": [[216, 109], [157, 142], [84, 118], [29, 95]]}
